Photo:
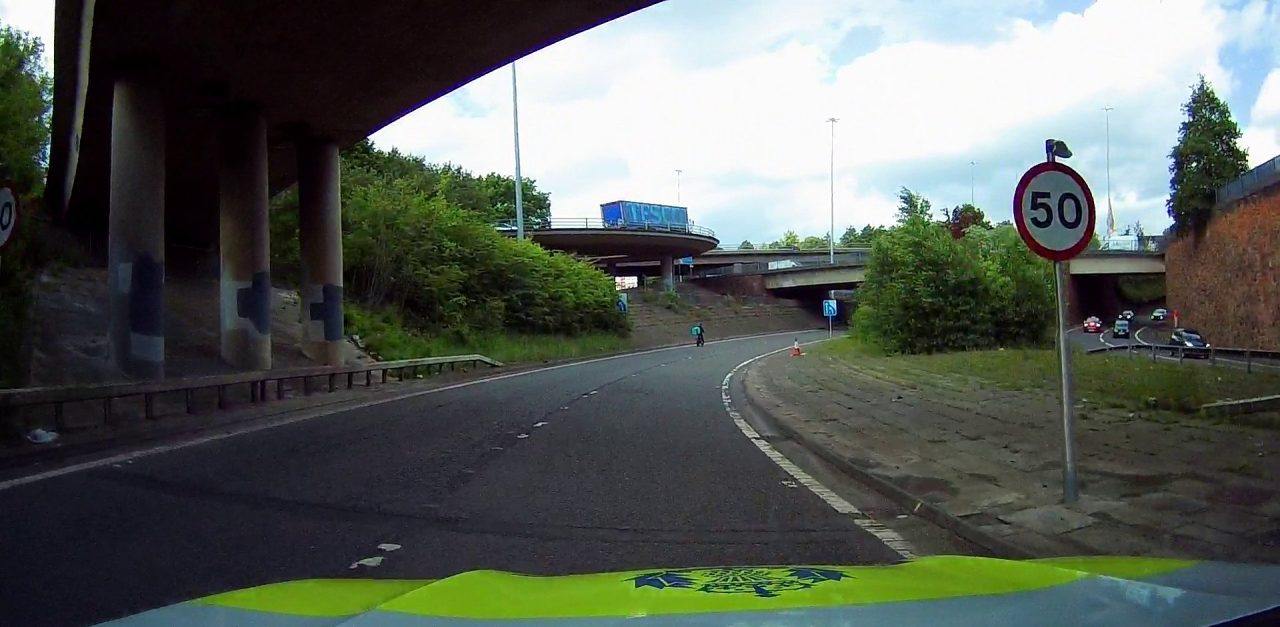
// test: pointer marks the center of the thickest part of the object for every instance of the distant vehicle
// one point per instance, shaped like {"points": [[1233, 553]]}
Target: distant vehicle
{"points": [[1120, 328], [1182, 339], [1126, 314], [1093, 324], [1160, 314]]}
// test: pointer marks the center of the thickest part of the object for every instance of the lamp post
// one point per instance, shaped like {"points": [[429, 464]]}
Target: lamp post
{"points": [[1111, 216], [678, 173], [971, 164], [515, 124], [831, 235]]}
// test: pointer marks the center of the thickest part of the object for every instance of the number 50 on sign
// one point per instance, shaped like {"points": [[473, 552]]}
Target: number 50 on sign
{"points": [[1054, 211]]}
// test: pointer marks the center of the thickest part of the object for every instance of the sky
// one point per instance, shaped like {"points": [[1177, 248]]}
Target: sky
{"points": [[737, 93]]}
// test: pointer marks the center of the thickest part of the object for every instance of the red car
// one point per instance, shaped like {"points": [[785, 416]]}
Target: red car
{"points": [[1092, 324]]}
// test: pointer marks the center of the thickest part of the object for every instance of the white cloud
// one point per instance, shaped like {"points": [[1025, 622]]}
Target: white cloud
{"points": [[33, 16], [1262, 136], [737, 95]]}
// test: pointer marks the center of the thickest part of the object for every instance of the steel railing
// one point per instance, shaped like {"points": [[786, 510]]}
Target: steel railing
{"points": [[1250, 182], [1181, 352], [257, 383], [1140, 244], [596, 223]]}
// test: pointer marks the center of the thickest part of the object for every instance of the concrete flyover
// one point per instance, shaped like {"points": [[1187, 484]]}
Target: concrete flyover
{"points": [[173, 122], [614, 244], [840, 275]]}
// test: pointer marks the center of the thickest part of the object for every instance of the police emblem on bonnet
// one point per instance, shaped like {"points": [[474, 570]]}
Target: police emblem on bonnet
{"points": [[759, 581]]}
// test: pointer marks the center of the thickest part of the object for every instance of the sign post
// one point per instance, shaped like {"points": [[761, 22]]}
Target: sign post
{"points": [[829, 310], [1055, 215], [8, 212]]}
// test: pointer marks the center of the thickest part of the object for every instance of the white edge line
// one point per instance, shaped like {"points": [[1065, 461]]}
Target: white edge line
{"points": [[304, 414], [885, 535]]}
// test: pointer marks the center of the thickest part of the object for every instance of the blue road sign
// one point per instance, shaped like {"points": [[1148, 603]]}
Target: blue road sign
{"points": [[829, 308]]}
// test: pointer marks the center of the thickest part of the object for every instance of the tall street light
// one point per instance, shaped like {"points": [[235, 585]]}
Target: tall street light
{"points": [[831, 235], [1111, 215], [515, 124], [971, 164], [678, 173]]}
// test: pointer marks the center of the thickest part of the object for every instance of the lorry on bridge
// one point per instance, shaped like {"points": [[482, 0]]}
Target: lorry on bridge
{"points": [[626, 213]]}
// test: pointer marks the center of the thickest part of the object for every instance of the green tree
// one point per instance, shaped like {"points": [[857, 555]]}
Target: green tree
{"points": [[927, 291], [418, 238], [789, 240], [814, 242], [746, 245], [1206, 157], [849, 237], [912, 205], [961, 217], [24, 110]]}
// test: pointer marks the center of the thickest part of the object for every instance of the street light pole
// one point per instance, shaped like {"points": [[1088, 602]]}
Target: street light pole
{"points": [[515, 124], [1111, 216], [678, 173], [831, 235]]}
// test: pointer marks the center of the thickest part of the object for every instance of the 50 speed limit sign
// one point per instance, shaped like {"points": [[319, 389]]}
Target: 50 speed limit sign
{"points": [[1054, 211], [8, 213]]}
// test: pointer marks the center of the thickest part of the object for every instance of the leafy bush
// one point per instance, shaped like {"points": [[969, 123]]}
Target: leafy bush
{"points": [[410, 244], [927, 291]]}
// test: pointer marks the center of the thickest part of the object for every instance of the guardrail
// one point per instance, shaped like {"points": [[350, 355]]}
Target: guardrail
{"points": [[1139, 244], [257, 383], [1211, 353], [596, 223], [1251, 182]]}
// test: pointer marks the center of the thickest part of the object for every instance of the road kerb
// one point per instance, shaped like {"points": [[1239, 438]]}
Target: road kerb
{"points": [[912, 503]]}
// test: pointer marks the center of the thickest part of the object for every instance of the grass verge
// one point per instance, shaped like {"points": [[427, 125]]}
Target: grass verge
{"points": [[1113, 379], [384, 333]]}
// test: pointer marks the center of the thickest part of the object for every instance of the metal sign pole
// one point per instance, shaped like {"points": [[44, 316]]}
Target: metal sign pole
{"points": [[1070, 489]]}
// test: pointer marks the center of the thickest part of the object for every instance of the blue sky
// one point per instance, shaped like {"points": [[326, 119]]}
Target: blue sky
{"points": [[736, 94]]}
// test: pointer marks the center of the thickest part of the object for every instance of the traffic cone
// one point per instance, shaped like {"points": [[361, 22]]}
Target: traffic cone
{"points": [[795, 349]]}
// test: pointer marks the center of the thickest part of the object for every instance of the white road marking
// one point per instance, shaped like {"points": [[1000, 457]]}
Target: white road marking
{"points": [[887, 536], [316, 412], [368, 562], [388, 547]]}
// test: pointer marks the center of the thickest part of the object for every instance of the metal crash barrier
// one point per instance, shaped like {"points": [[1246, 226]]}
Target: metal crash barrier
{"points": [[257, 384]]}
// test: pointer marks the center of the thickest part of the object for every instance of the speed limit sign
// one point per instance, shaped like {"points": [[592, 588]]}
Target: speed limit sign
{"points": [[8, 213], [1054, 211]]}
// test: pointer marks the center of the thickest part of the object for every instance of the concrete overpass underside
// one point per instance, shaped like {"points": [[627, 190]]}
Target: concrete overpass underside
{"points": [[174, 121]]}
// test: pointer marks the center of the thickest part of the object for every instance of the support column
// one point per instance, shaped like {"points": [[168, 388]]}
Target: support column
{"points": [[320, 239], [244, 243], [668, 273], [135, 236]]}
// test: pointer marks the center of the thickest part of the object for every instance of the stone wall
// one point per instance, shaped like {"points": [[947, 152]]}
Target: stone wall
{"points": [[1226, 282]]}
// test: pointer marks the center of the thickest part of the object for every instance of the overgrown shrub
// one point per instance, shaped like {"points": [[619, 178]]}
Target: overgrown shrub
{"points": [[928, 292], [408, 243]]}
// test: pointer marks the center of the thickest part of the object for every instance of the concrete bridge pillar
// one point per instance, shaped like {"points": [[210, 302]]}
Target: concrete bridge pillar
{"points": [[320, 239], [245, 269], [668, 273], [135, 237]]}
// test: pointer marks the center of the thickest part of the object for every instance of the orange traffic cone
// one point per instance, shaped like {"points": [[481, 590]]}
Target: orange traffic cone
{"points": [[795, 349]]}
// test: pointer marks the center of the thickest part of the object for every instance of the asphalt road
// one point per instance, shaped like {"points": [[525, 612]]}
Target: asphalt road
{"points": [[626, 463], [1145, 332]]}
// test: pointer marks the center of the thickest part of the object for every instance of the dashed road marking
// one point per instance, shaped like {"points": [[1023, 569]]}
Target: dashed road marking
{"points": [[887, 536]]}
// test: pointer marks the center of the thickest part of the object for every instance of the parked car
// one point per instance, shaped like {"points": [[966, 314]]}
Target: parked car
{"points": [[1093, 324], [1182, 339], [1120, 328], [1126, 314], [1160, 314]]}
